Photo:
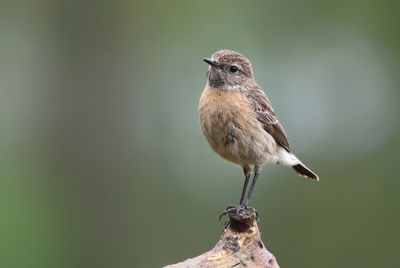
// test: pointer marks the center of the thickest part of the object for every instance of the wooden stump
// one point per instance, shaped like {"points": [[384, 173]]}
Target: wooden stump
{"points": [[240, 246]]}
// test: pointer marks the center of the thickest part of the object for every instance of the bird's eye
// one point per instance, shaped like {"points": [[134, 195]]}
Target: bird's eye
{"points": [[233, 69]]}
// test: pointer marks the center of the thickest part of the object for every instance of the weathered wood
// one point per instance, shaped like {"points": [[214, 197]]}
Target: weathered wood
{"points": [[240, 246]]}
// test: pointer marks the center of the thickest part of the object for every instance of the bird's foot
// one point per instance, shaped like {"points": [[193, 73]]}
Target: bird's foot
{"points": [[239, 213], [234, 211]]}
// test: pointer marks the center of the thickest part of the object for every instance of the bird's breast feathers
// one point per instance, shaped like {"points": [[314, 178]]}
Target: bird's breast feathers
{"points": [[231, 127]]}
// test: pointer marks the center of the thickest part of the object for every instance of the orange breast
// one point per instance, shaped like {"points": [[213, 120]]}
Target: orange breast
{"points": [[231, 126]]}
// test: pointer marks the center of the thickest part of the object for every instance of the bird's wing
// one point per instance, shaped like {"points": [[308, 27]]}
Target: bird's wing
{"points": [[266, 115]]}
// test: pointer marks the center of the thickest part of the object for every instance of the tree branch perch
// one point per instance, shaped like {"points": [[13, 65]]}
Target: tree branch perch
{"points": [[240, 246]]}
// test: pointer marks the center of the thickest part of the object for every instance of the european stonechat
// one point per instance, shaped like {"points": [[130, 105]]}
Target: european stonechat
{"points": [[239, 122]]}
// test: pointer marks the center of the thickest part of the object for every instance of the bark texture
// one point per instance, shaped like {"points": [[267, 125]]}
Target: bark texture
{"points": [[240, 246]]}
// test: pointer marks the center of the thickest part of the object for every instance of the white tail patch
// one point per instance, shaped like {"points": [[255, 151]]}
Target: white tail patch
{"points": [[286, 158]]}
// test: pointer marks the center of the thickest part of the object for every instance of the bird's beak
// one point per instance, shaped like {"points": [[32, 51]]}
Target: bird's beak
{"points": [[211, 62]]}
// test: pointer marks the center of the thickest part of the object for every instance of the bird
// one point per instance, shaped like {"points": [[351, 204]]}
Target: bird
{"points": [[239, 122]]}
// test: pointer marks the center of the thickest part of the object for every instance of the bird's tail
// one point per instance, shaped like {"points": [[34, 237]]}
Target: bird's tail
{"points": [[289, 159], [303, 170]]}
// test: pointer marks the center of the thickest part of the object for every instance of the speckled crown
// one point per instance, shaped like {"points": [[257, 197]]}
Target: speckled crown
{"points": [[229, 56]]}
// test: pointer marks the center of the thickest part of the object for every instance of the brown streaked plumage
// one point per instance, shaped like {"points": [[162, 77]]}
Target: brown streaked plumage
{"points": [[239, 122]]}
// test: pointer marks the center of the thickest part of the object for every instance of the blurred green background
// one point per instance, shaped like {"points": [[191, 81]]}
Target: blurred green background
{"points": [[103, 163]]}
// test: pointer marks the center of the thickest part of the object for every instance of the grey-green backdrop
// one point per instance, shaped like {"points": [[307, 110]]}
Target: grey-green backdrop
{"points": [[103, 163]]}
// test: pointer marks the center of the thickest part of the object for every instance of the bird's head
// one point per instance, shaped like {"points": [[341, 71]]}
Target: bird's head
{"points": [[229, 70]]}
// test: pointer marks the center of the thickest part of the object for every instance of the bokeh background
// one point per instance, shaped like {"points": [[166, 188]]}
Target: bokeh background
{"points": [[103, 163]]}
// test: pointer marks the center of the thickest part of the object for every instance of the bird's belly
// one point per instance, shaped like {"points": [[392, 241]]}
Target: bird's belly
{"points": [[234, 132], [246, 148]]}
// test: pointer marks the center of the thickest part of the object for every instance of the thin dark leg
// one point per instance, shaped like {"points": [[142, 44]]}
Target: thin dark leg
{"points": [[243, 202], [257, 171], [247, 174]]}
